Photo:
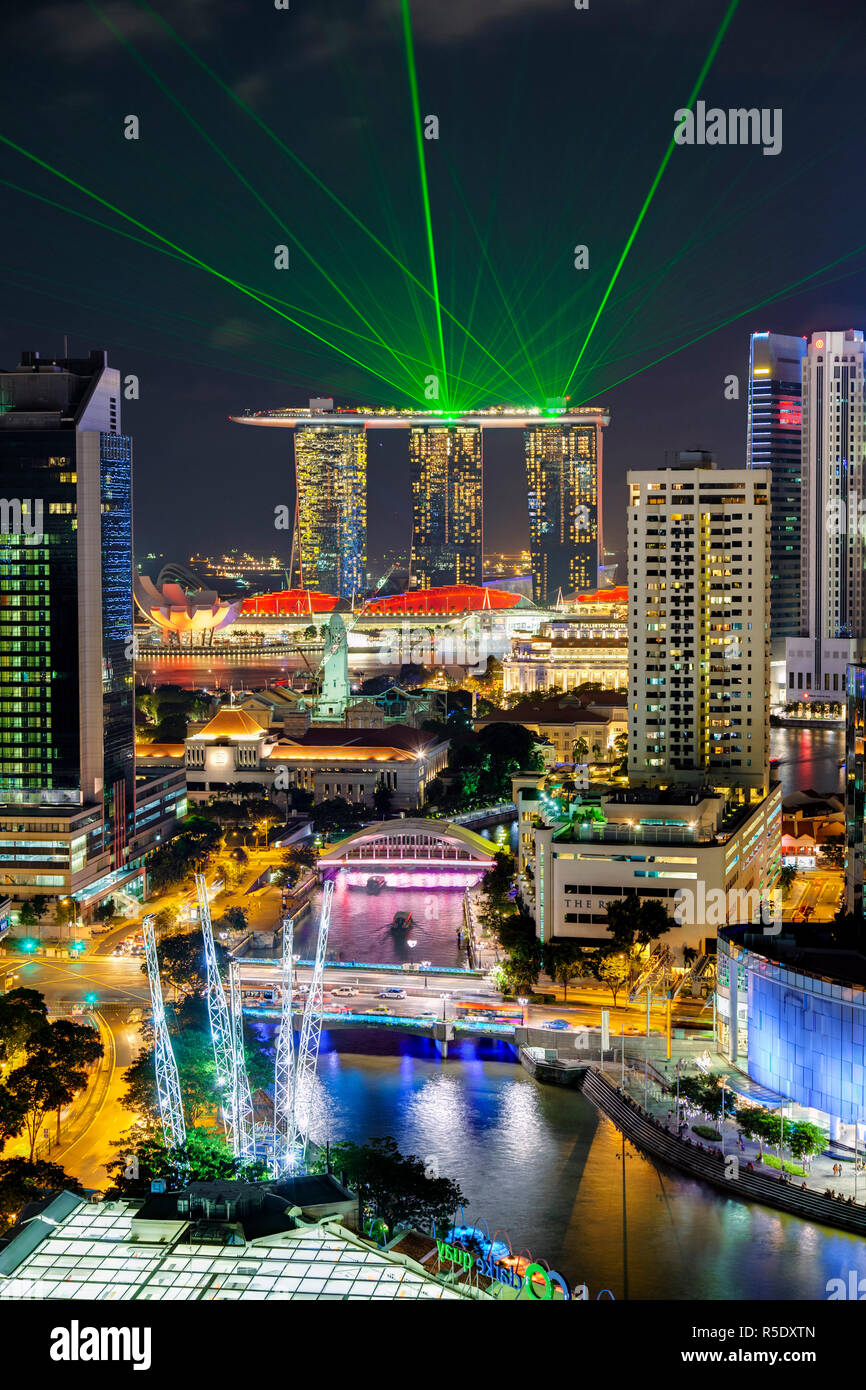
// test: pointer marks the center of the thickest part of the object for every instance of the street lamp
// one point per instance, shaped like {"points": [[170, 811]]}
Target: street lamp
{"points": [[445, 998], [523, 1000]]}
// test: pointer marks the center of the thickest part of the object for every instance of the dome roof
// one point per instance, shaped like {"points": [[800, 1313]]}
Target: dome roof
{"points": [[232, 723]]}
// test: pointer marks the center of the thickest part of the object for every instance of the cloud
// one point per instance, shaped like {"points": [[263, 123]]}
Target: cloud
{"points": [[72, 30]]}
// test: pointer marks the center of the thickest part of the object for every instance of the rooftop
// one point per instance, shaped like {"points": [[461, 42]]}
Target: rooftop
{"points": [[78, 1250], [388, 417]]}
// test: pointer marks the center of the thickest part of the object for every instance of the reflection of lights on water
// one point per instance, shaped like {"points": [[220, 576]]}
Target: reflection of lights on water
{"points": [[519, 1123]]}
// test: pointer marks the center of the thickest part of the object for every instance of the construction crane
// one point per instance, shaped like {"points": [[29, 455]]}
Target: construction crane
{"points": [[308, 1045], [167, 1081], [284, 1064], [242, 1101], [218, 1013]]}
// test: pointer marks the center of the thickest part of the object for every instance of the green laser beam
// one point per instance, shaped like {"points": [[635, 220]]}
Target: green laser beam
{"points": [[320, 184], [190, 257], [741, 313], [422, 173], [241, 177], [630, 240]]}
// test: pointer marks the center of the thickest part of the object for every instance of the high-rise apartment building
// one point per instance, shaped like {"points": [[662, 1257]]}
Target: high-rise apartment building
{"points": [[833, 553], [699, 652], [331, 520], [446, 467], [66, 657], [855, 787], [563, 479], [773, 440]]}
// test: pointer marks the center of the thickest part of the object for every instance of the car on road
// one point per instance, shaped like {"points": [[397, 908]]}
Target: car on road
{"points": [[393, 992], [373, 1009], [99, 931], [559, 1024], [346, 993]]}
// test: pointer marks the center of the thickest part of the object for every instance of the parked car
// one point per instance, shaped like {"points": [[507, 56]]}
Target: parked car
{"points": [[558, 1023], [393, 992]]}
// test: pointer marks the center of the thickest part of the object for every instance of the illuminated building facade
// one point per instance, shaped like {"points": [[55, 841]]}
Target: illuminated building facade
{"points": [[699, 641], [773, 440], [66, 670], [833, 552], [446, 478], [855, 787], [563, 480], [331, 523]]}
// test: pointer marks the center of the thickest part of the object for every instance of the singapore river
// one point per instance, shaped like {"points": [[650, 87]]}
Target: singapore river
{"points": [[808, 759], [540, 1163]]}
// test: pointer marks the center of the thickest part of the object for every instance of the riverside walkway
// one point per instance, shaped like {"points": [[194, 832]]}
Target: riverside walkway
{"points": [[651, 1135]]}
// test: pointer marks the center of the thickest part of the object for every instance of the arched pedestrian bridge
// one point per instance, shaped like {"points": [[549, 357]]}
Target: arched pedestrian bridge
{"points": [[409, 843]]}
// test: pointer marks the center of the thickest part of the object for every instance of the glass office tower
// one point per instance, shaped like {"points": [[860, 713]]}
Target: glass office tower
{"points": [[563, 479], [66, 656], [774, 434], [446, 465], [331, 472]]}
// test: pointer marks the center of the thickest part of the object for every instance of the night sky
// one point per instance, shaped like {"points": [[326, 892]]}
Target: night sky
{"points": [[553, 124]]}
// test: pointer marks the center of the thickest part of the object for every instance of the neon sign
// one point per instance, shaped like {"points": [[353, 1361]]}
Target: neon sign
{"points": [[536, 1282]]}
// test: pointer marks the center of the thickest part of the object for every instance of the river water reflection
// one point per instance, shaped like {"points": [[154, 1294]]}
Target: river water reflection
{"points": [[540, 1163]]}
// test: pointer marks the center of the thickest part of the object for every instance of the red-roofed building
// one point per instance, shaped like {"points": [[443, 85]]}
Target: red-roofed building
{"points": [[448, 599], [617, 594], [288, 603]]}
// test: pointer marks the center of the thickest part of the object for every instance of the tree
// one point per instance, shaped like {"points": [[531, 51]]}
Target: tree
{"points": [[23, 1181], [69, 1048], [205, 1157], [65, 911], [523, 966], [235, 919], [103, 912], [613, 970], [620, 745], [193, 1054], [182, 962], [38, 1088], [335, 814], [805, 1139], [635, 923], [564, 961], [786, 878], [579, 750], [22, 1014], [382, 799], [395, 1186], [833, 852], [27, 914]]}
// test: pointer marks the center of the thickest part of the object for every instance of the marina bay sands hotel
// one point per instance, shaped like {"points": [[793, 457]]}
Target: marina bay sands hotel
{"points": [[563, 457]]}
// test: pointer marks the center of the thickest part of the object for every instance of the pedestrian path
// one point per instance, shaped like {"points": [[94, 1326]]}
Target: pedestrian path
{"points": [[835, 1170]]}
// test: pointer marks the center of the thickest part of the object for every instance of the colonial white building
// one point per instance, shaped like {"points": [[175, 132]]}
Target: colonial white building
{"points": [[705, 862]]}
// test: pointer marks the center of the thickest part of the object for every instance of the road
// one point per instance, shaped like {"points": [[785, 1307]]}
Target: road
{"points": [[818, 892]]}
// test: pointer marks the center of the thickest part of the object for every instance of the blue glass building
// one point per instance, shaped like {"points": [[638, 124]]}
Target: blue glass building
{"points": [[794, 1018]]}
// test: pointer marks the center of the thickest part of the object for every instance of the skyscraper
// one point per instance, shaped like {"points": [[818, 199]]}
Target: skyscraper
{"points": [[331, 520], [832, 575], [446, 478], [699, 560], [66, 654], [773, 440], [563, 479]]}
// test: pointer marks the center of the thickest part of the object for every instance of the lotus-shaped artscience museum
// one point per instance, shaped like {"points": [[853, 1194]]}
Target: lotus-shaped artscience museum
{"points": [[180, 614]]}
